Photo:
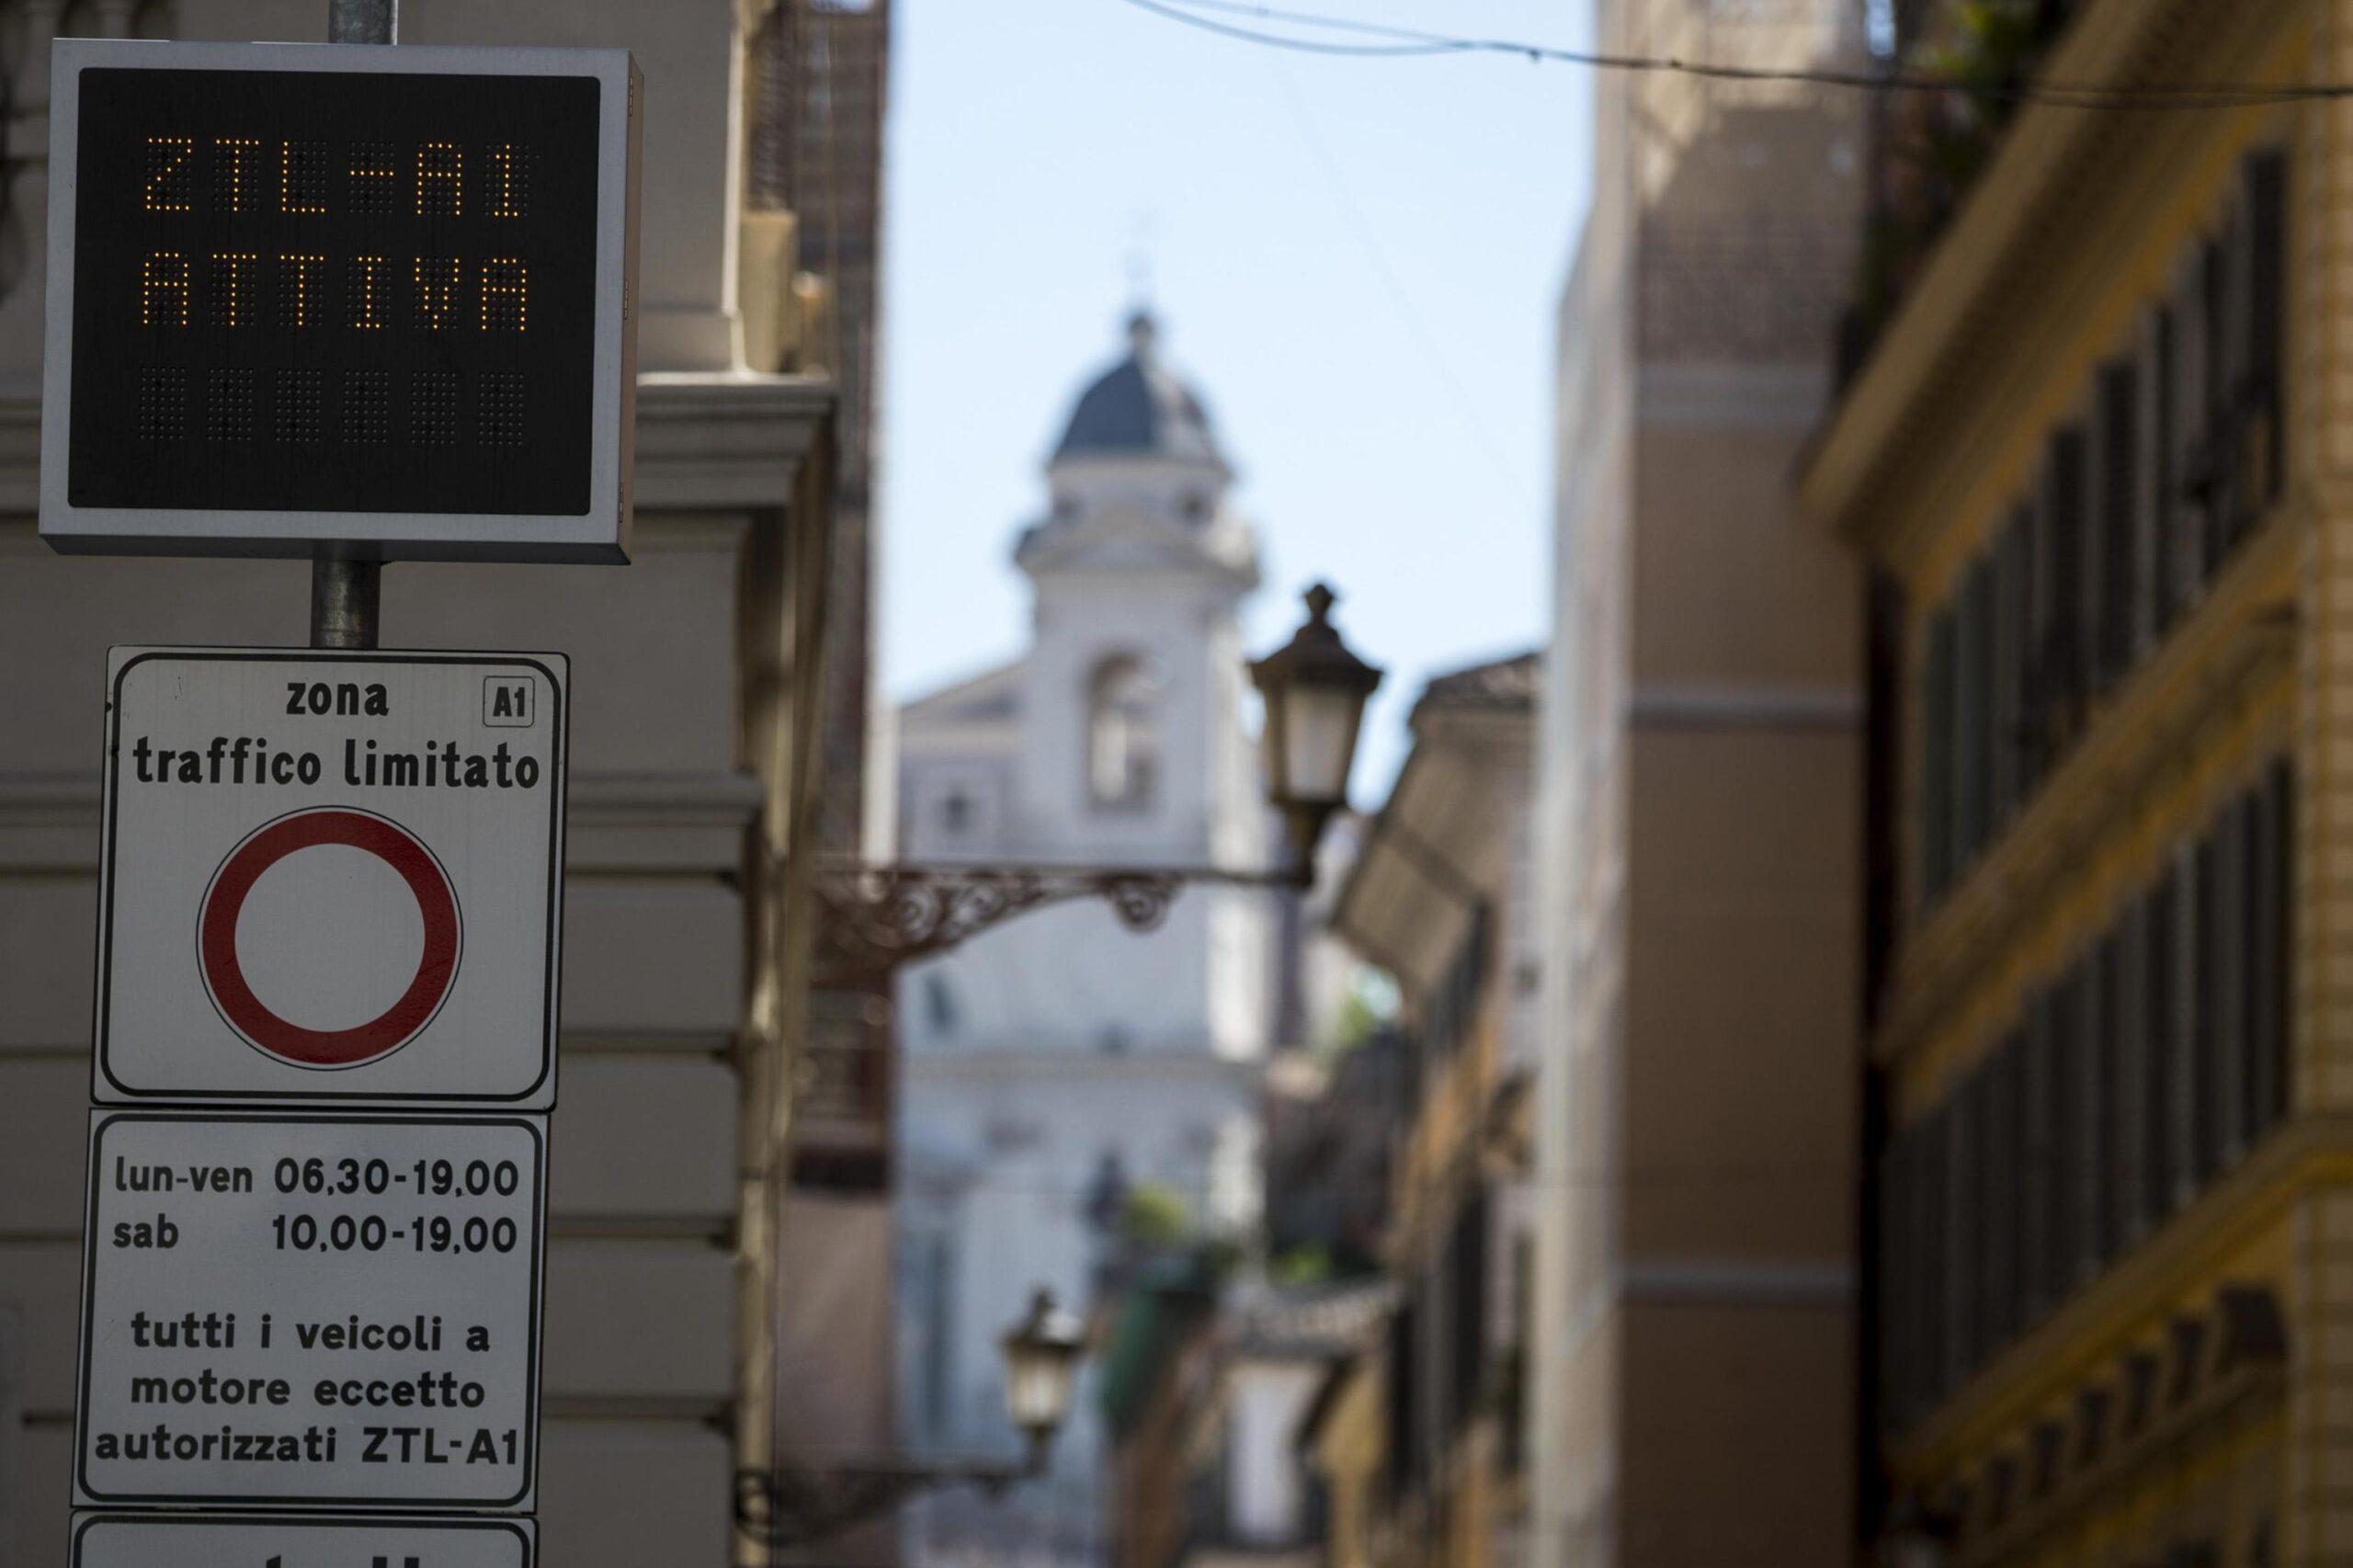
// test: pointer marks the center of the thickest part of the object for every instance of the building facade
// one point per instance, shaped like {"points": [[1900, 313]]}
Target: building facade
{"points": [[1443, 897], [2093, 465], [695, 681], [1060, 1064], [1701, 757], [1207, 1391], [818, 70]]}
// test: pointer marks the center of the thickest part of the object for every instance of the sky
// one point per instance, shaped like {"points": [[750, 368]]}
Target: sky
{"points": [[1355, 262]]}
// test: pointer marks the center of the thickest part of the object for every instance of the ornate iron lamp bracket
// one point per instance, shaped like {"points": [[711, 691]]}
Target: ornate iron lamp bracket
{"points": [[874, 918], [788, 1508]]}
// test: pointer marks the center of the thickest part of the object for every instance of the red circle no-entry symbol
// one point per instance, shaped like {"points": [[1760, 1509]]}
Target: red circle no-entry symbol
{"points": [[436, 968]]}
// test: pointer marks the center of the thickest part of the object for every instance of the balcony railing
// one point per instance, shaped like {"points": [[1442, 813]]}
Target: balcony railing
{"points": [[1933, 145]]}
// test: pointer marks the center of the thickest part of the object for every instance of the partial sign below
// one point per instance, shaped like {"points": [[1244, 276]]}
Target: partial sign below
{"points": [[373, 297], [224, 1540], [331, 877], [327, 1311]]}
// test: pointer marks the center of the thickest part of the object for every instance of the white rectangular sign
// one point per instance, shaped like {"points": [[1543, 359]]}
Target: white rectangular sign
{"points": [[224, 1540], [335, 1310], [331, 877]]}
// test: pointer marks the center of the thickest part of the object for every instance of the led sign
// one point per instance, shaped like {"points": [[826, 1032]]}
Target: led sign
{"points": [[371, 298]]}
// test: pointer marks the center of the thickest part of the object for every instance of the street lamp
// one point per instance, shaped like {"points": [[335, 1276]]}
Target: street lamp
{"points": [[874, 918], [1315, 690], [795, 1506], [1042, 1355]]}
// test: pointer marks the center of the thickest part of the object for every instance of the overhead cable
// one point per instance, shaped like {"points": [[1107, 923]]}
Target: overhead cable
{"points": [[1394, 43]]}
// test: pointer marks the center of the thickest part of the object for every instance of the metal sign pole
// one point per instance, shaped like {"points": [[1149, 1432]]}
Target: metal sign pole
{"points": [[346, 594]]}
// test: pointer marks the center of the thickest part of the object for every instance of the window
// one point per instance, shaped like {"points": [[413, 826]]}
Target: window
{"points": [[2133, 1080], [1404, 1450], [938, 1005], [936, 1290], [1465, 1265], [956, 813], [1122, 733], [2177, 457]]}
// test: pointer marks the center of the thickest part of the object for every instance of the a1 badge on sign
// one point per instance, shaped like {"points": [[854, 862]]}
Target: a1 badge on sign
{"points": [[331, 877]]}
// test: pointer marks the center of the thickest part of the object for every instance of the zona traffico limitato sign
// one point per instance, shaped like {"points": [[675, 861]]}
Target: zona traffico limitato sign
{"points": [[331, 877]]}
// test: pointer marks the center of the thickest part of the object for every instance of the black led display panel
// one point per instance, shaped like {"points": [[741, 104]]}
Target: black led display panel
{"points": [[334, 292]]}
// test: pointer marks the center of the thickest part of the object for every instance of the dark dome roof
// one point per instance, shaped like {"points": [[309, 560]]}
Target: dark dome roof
{"points": [[1138, 409]]}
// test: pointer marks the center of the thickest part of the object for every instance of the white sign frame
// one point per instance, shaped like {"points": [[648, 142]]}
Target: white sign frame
{"points": [[254, 1532], [600, 535], [198, 1426], [118, 1076]]}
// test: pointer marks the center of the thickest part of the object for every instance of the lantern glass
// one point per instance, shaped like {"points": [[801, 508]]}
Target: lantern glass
{"points": [[1317, 735], [1040, 1361], [1315, 691], [1038, 1385]]}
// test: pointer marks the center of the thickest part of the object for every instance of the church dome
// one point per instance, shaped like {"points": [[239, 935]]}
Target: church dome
{"points": [[1138, 408]]}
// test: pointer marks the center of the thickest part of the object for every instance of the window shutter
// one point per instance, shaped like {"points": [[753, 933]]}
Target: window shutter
{"points": [[2181, 1032], [1937, 761], [2188, 407], [1972, 717], [2228, 937], [2004, 1276], [1932, 1252], [1965, 1270], [2034, 686], [2103, 1110], [2066, 648], [2214, 394], [2088, 1140], [2159, 492], [2158, 989], [2266, 202], [2254, 918], [2034, 1049], [2092, 586], [2208, 1008], [2061, 1198], [2119, 592], [1402, 1386], [1899, 1324], [2013, 613], [2273, 983], [2235, 423]]}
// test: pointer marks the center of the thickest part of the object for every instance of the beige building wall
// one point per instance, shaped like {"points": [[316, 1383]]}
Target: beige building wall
{"points": [[1700, 823], [676, 997]]}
